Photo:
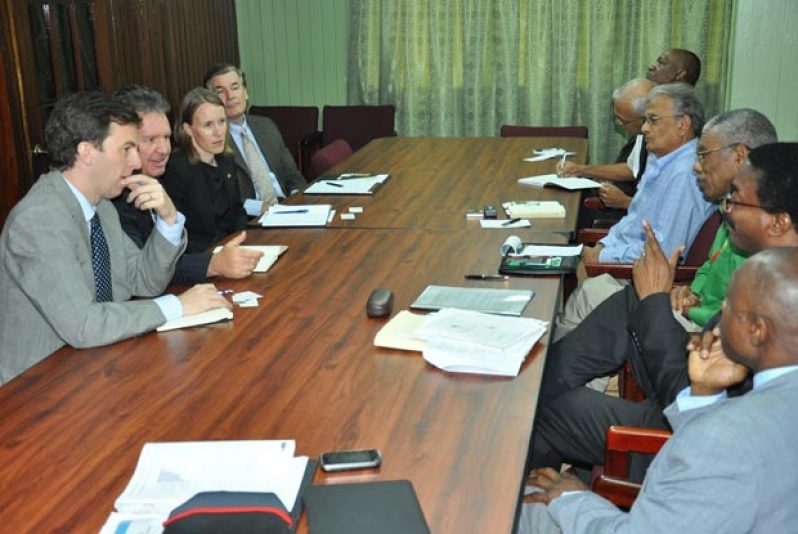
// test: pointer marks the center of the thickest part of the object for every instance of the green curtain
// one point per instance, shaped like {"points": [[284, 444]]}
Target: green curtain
{"points": [[465, 67]]}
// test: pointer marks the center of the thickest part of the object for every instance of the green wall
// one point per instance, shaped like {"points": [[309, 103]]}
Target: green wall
{"points": [[294, 52]]}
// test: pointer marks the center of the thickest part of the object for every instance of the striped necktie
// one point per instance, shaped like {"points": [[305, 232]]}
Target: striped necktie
{"points": [[257, 167], [100, 262]]}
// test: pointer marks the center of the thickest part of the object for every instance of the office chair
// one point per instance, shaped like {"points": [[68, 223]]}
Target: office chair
{"points": [[357, 125], [329, 156], [299, 128]]}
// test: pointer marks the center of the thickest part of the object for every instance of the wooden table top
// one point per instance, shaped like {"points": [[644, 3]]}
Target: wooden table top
{"points": [[435, 179], [300, 366]]}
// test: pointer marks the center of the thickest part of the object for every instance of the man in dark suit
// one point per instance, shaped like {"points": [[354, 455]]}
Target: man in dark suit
{"points": [[637, 324], [67, 270], [154, 149], [267, 171]]}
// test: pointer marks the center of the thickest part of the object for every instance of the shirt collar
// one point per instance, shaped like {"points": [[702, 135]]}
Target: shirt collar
{"points": [[763, 377], [236, 129], [86, 207], [660, 162]]}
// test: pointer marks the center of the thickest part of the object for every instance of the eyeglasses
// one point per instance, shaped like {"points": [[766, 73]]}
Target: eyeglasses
{"points": [[726, 204], [654, 119], [702, 154]]}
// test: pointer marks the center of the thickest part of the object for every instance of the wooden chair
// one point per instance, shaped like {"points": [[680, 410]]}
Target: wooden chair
{"points": [[299, 126], [612, 481], [329, 156], [508, 130], [357, 125]]}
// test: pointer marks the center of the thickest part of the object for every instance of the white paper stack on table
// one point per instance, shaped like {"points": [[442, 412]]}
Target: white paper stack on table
{"points": [[552, 180], [534, 209], [280, 216], [217, 315], [270, 255], [168, 474], [462, 341], [346, 184], [549, 153]]}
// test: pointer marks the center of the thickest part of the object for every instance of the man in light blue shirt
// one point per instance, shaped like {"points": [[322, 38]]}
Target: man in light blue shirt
{"points": [[668, 196], [731, 463], [67, 269]]}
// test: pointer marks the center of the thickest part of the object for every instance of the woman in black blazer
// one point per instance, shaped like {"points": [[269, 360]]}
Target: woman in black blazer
{"points": [[201, 175]]}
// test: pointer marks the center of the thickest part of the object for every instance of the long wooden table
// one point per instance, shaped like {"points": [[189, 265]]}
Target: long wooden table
{"points": [[300, 366]]}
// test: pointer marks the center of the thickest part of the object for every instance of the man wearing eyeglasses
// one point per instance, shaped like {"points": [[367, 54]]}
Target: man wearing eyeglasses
{"points": [[636, 324]]}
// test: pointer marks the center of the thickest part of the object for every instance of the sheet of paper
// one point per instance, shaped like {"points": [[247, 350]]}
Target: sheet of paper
{"points": [[551, 250], [347, 216], [498, 223], [346, 185], [570, 183], [548, 153], [488, 300], [270, 255], [398, 333], [199, 319], [479, 329], [534, 209], [132, 524], [168, 474], [296, 215], [355, 209]]}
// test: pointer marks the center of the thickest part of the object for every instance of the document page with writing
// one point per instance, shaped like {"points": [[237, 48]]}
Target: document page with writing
{"points": [[488, 300]]}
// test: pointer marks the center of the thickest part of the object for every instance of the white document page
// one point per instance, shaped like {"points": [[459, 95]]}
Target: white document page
{"points": [[168, 474], [209, 317], [550, 250], [296, 215], [488, 300], [570, 183], [346, 186], [479, 329], [498, 223], [270, 255]]}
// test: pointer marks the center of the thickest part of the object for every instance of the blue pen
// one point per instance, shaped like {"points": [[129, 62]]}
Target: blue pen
{"points": [[287, 211]]}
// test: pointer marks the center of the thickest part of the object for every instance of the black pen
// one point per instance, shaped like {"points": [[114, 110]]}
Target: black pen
{"points": [[511, 221], [486, 277], [333, 184]]}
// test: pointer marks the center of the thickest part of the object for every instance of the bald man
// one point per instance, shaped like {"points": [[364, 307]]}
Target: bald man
{"points": [[730, 465]]}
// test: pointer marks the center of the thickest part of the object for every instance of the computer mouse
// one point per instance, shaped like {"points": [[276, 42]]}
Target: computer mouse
{"points": [[380, 303]]}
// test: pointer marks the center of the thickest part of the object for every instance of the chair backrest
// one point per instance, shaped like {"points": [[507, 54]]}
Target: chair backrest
{"points": [[357, 125], [296, 123], [699, 250], [329, 156], [508, 130]]}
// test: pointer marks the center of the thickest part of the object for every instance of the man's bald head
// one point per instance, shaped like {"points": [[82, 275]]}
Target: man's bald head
{"points": [[675, 65], [629, 103]]}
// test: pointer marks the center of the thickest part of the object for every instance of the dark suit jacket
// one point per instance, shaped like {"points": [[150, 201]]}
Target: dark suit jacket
{"points": [[277, 156], [138, 225], [208, 196]]}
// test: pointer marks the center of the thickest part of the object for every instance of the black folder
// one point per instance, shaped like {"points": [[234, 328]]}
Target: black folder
{"points": [[386, 507]]}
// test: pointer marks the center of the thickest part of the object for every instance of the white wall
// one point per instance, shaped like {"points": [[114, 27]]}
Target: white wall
{"points": [[764, 67]]}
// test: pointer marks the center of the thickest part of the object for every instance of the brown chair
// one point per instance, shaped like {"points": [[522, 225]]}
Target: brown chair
{"points": [[329, 156], [508, 130], [299, 126], [695, 258], [611, 482], [357, 125]]}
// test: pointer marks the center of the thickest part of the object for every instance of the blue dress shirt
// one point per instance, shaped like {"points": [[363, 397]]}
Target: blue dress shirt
{"points": [[668, 197]]}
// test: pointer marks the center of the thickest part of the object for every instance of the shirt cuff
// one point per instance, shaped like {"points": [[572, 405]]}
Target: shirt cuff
{"points": [[686, 401], [174, 232], [170, 307], [556, 506]]}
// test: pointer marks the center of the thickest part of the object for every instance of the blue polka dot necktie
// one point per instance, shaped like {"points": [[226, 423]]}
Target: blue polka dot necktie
{"points": [[100, 261]]}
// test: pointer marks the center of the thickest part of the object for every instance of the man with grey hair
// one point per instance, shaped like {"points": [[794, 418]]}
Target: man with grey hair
{"points": [[154, 149], [646, 324], [628, 104]]}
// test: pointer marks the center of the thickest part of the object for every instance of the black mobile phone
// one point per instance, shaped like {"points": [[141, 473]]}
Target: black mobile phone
{"points": [[346, 460]]}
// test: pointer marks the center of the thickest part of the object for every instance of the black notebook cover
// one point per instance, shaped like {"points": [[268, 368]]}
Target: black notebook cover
{"points": [[538, 265], [389, 507]]}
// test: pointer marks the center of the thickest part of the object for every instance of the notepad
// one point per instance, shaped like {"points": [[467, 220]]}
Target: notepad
{"points": [[534, 209], [270, 255], [296, 215], [198, 319], [488, 300], [398, 332], [347, 184], [552, 180]]}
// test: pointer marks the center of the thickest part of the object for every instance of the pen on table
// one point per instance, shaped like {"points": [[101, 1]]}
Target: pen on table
{"points": [[333, 184], [511, 221], [287, 211], [562, 161], [224, 292], [486, 277]]}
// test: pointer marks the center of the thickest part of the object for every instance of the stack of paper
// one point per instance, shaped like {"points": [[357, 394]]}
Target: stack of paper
{"points": [[549, 153], [168, 474], [463, 341], [552, 180], [297, 215], [488, 300], [270, 255], [216, 315], [534, 209], [347, 184]]}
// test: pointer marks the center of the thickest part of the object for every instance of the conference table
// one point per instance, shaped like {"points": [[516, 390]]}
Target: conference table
{"points": [[303, 366]]}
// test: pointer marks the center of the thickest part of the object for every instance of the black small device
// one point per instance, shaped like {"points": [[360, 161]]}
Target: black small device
{"points": [[380, 303], [347, 460], [490, 212]]}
